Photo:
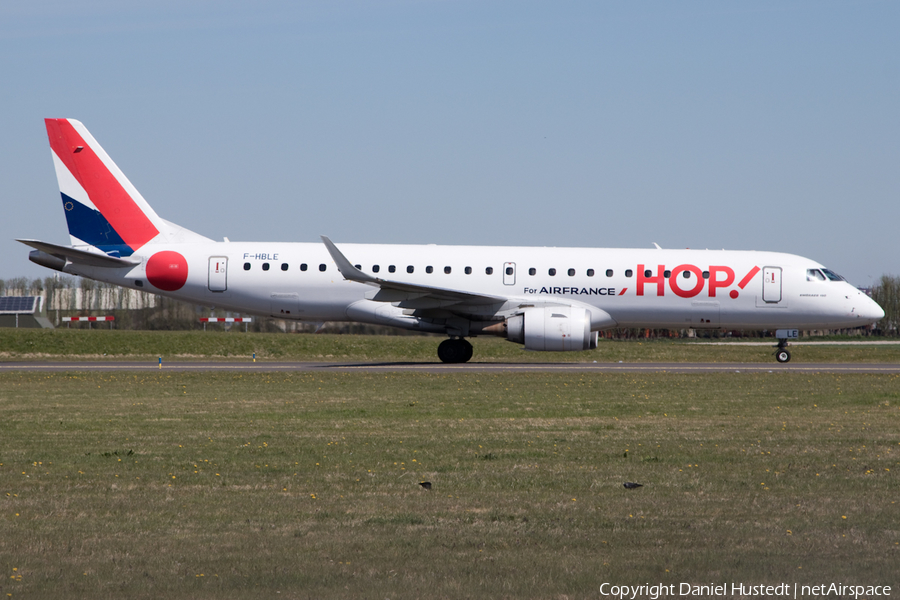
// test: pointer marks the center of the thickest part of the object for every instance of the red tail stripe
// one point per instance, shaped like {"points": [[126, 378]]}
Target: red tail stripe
{"points": [[104, 190], [748, 277]]}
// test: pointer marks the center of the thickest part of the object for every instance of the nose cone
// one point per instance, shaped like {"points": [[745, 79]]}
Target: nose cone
{"points": [[870, 311], [865, 309]]}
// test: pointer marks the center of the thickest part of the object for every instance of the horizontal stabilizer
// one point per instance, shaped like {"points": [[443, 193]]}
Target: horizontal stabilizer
{"points": [[81, 257]]}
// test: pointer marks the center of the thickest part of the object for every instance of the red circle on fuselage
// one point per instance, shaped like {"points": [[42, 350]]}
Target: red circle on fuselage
{"points": [[167, 271]]}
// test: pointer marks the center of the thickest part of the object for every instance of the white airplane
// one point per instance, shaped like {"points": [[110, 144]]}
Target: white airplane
{"points": [[551, 299]]}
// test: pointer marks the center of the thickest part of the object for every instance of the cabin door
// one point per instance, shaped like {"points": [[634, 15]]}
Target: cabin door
{"points": [[771, 284], [509, 273], [218, 273]]}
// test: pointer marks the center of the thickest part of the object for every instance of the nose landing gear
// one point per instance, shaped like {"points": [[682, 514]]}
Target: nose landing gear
{"points": [[455, 350], [781, 352]]}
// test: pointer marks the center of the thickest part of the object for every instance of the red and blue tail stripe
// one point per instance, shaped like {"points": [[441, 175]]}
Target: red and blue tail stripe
{"points": [[102, 208]]}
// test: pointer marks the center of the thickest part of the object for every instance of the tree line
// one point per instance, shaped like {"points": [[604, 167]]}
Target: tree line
{"points": [[887, 294]]}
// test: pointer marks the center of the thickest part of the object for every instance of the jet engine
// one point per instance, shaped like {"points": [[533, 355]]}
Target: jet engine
{"points": [[552, 329]]}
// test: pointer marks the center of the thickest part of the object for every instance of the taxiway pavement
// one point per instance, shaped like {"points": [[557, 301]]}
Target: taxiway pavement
{"points": [[436, 367]]}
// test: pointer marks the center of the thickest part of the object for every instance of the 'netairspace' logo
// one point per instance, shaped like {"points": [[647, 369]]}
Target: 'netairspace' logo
{"points": [[784, 590]]}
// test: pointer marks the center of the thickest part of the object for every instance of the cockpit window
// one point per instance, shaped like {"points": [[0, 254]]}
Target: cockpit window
{"points": [[822, 275], [814, 275]]}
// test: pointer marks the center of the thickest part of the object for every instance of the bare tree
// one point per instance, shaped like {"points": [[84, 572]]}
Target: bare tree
{"points": [[887, 294]]}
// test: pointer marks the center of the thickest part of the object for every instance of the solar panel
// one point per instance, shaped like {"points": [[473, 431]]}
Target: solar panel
{"points": [[18, 304]]}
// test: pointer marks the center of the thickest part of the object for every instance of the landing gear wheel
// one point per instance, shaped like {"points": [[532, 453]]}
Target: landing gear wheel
{"points": [[455, 351], [469, 351], [781, 353]]}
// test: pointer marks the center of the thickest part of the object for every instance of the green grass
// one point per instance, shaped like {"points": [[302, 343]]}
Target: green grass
{"points": [[75, 344], [190, 485]]}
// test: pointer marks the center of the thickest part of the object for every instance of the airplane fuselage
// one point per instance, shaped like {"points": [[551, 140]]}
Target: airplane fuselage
{"points": [[679, 289]]}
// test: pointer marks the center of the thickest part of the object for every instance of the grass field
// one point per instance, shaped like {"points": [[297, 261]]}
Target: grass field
{"points": [[189, 485], [74, 344]]}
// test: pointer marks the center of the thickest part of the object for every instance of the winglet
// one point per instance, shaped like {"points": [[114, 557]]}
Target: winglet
{"points": [[349, 272]]}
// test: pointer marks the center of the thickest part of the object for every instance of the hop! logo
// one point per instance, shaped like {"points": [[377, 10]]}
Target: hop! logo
{"points": [[692, 284]]}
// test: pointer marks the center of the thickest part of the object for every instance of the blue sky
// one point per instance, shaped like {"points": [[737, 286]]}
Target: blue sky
{"points": [[758, 126]]}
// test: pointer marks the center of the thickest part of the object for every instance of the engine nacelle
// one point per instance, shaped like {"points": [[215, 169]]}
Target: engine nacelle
{"points": [[553, 329]]}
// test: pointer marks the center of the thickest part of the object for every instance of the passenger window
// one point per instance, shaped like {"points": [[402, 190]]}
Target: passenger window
{"points": [[265, 266], [358, 267], [648, 273], [428, 269], [410, 269], [375, 268], [392, 269], [322, 267], [447, 270], [532, 271], [609, 272], [590, 272], [705, 274], [509, 270], [667, 274], [489, 271], [686, 274], [284, 266], [552, 272], [303, 267], [571, 272], [628, 273], [468, 270], [246, 266]]}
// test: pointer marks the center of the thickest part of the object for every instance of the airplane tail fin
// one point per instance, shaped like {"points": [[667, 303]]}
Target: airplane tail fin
{"points": [[103, 209]]}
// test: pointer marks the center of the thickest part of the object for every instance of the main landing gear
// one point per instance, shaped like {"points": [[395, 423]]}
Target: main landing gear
{"points": [[455, 350]]}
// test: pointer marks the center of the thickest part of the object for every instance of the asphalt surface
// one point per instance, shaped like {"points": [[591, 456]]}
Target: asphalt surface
{"points": [[471, 367]]}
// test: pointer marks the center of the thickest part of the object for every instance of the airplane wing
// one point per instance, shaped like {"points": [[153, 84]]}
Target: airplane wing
{"points": [[408, 294], [81, 257]]}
